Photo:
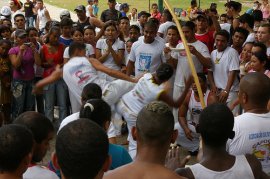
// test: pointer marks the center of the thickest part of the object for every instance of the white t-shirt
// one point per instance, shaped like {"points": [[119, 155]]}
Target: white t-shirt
{"points": [[268, 51], [89, 51], [164, 27], [147, 57], [225, 26], [39, 172], [77, 73], [117, 45], [229, 61], [75, 116], [144, 92], [183, 69], [252, 136], [250, 38]]}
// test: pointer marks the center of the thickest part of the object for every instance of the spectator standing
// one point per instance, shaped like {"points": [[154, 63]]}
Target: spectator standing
{"points": [[23, 57], [155, 13], [43, 16], [29, 9], [111, 13]]}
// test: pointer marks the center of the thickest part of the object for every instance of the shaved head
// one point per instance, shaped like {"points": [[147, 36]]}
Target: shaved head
{"points": [[257, 87], [155, 124]]}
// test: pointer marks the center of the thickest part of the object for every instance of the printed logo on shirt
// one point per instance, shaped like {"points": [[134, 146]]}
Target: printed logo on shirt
{"points": [[145, 60], [262, 150], [81, 73]]}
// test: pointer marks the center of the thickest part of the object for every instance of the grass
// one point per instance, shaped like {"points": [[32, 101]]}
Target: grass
{"points": [[142, 4]]}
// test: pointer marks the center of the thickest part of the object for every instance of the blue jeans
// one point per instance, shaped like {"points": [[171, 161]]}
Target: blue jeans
{"points": [[29, 22], [56, 91], [23, 99]]}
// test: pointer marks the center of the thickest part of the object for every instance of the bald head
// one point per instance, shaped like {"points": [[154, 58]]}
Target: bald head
{"points": [[155, 124], [257, 87]]}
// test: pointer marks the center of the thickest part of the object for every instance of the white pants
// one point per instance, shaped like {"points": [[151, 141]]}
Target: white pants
{"points": [[130, 118], [177, 92], [115, 90], [233, 95]]}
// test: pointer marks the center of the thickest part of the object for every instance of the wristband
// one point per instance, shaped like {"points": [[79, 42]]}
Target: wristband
{"points": [[225, 91]]}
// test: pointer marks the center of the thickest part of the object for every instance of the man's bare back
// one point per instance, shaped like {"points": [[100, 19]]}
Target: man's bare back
{"points": [[142, 170]]}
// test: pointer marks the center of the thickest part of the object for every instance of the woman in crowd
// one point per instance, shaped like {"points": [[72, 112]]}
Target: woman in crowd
{"points": [[23, 57], [52, 55], [110, 51], [260, 63]]}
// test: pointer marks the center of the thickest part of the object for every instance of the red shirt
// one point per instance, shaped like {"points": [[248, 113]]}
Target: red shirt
{"points": [[56, 57], [156, 16], [207, 39]]}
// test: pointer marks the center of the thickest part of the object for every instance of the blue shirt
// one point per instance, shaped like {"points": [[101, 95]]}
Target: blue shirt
{"points": [[119, 156], [64, 41]]}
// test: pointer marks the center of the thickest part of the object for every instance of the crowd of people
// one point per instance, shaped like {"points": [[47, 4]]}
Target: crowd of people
{"points": [[110, 72]]}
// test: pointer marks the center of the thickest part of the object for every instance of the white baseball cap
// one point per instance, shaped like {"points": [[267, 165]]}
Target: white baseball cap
{"points": [[64, 12], [5, 11]]}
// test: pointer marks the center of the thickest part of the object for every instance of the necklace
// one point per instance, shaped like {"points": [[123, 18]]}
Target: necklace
{"points": [[218, 59]]}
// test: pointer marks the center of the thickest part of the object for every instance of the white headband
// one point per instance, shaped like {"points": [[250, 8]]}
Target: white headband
{"points": [[90, 105]]}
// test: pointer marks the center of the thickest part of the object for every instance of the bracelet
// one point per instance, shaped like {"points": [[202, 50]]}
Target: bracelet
{"points": [[225, 91]]}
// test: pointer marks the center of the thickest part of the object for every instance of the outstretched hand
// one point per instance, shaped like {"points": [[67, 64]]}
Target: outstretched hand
{"points": [[173, 160]]}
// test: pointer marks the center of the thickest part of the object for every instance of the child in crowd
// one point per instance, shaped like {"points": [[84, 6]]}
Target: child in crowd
{"points": [[134, 32], [155, 13], [260, 63], [43, 132], [89, 36], [66, 28], [124, 8], [124, 28], [110, 51], [95, 8], [133, 17], [5, 77], [129, 44], [77, 36]]}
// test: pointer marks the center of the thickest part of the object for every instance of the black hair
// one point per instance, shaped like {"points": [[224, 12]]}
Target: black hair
{"points": [[216, 125], [77, 28], [247, 18], [154, 20], [18, 15], [233, 4], [242, 31], [223, 33], [90, 28], [96, 110], [257, 86], [137, 28], [262, 46], [124, 17], [164, 72], [155, 124], [193, 2], [154, 4], [81, 149], [131, 40], [39, 125], [168, 15], [151, 23], [28, 29], [111, 23], [257, 15], [52, 29], [65, 21], [75, 46], [16, 143], [189, 24], [4, 41], [91, 91], [262, 57], [224, 15], [4, 28], [173, 27], [202, 76]]}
